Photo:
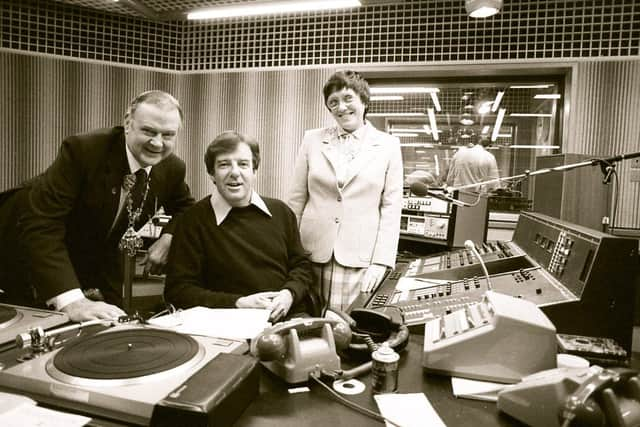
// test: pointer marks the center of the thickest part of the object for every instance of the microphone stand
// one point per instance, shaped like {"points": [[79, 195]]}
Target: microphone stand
{"points": [[607, 166]]}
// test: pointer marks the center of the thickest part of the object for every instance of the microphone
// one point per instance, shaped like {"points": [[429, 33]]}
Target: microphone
{"points": [[472, 247], [421, 190]]}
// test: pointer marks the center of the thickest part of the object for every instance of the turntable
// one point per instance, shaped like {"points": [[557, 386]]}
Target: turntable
{"points": [[15, 319], [120, 373]]}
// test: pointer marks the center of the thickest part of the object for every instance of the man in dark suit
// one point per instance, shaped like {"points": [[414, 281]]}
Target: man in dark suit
{"points": [[61, 231]]}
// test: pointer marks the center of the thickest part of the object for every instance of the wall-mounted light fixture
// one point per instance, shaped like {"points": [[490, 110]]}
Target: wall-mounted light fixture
{"points": [[482, 8]]}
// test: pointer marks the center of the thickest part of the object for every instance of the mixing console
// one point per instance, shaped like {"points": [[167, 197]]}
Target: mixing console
{"points": [[583, 280]]}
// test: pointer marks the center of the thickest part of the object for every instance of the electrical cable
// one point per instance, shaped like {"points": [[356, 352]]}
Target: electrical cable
{"points": [[616, 181], [369, 413]]}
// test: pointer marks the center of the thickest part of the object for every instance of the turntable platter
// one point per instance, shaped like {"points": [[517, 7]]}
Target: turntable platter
{"points": [[8, 316], [124, 357]]}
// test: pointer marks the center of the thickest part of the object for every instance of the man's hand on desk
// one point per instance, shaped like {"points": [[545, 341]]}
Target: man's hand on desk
{"points": [[280, 305], [156, 257], [259, 300], [279, 302], [373, 276], [84, 309]]}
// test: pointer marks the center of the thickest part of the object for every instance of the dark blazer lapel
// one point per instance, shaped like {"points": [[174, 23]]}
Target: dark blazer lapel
{"points": [[117, 167]]}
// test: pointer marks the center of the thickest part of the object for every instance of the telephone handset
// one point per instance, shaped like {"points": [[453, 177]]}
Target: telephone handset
{"points": [[299, 347], [371, 327], [566, 397], [612, 396]]}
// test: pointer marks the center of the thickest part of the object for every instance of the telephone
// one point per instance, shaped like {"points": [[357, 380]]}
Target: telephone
{"points": [[299, 347], [302, 346], [564, 397]]}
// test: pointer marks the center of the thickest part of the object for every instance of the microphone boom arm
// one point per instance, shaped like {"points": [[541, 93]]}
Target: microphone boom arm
{"points": [[604, 163]]}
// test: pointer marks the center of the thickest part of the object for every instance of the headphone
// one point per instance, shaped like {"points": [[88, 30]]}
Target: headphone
{"points": [[370, 328]]}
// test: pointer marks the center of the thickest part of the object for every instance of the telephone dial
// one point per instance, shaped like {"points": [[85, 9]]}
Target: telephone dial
{"points": [[575, 397], [300, 347]]}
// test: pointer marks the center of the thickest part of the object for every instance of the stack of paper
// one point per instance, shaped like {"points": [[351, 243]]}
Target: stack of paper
{"points": [[231, 323]]}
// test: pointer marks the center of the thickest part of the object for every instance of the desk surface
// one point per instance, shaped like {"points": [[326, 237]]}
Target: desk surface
{"points": [[276, 407]]}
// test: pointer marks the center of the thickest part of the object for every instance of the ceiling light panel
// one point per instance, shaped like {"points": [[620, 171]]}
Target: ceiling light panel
{"points": [[271, 8]]}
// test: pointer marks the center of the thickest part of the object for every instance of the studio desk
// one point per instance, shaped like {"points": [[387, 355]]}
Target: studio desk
{"points": [[276, 407]]}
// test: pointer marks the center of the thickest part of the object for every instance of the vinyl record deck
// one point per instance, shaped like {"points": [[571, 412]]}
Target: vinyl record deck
{"points": [[15, 319], [125, 357], [8, 316], [120, 373]]}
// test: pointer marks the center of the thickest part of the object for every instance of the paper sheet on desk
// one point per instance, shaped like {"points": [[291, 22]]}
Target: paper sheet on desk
{"points": [[27, 414], [478, 390], [408, 410], [231, 323]]}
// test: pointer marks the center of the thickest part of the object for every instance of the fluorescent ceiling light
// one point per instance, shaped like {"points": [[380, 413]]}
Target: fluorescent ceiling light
{"points": [[547, 96], [404, 135], [482, 8], [496, 126], [432, 123], [386, 98], [530, 86], [407, 130], [504, 135], [403, 89], [531, 115], [415, 144], [427, 129], [496, 102], [270, 8], [436, 101], [485, 130], [536, 147], [396, 114]]}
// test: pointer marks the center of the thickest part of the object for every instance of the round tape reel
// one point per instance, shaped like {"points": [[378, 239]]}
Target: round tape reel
{"points": [[351, 386]]}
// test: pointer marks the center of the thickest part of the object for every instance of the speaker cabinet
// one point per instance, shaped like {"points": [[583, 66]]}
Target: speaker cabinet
{"points": [[577, 196]]}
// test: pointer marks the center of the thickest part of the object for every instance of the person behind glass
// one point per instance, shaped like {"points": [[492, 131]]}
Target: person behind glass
{"points": [[236, 248], [473, 164], [347, 194], [61, 230]]}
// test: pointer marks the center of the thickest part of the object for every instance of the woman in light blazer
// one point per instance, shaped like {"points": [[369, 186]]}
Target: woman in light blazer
{"points": [[347, 194]]}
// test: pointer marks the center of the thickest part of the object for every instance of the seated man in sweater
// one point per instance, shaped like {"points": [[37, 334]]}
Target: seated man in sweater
{"points": [[235, 248]]}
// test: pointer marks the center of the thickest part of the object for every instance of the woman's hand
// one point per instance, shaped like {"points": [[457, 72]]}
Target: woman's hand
{"points": [[372, 277]]}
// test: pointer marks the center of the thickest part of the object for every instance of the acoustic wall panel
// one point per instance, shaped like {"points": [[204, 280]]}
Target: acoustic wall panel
{"points": [[48, 99], [605, 121]]}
